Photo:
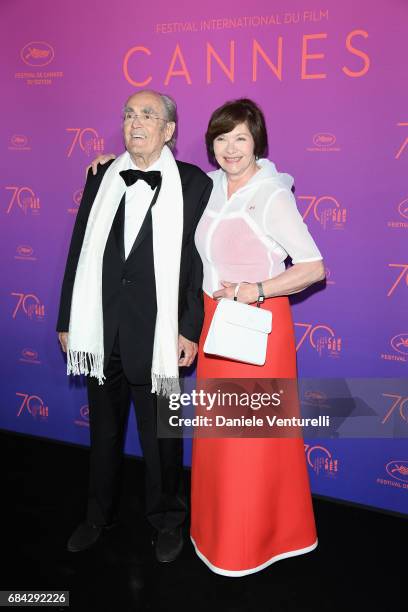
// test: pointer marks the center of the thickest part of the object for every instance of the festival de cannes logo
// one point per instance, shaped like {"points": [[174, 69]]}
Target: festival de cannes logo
{"points": [[76, 198], [400, 343], [315, 398], [323, 142], [321, 460], [402, 222], [326, 210], [23, 198], [403, 208], [398, 470], [19, 142], [29, 355], [25, 252], [37, 54], [33, 405], [83, 421], [321, 338]]}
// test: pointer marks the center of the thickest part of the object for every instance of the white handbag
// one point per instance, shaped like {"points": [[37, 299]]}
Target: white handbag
{"points": [[239, 332]]}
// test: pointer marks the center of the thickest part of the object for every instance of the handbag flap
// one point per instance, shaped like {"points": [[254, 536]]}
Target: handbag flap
{"points": [[245, 315]]}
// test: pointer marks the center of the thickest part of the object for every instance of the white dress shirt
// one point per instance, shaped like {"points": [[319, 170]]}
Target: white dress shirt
{"points": [[248, 236], [138, 198]]}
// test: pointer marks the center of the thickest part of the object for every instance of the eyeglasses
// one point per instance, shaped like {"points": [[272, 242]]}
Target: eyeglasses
{"points": [[144, 118]]}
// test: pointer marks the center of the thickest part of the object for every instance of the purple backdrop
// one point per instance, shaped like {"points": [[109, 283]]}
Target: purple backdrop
{"points": [[331, 79]]}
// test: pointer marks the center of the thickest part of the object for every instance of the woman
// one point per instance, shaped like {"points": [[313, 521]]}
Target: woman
{"points": [[251, 502]]}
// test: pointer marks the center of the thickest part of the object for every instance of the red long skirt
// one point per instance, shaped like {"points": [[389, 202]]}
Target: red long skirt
{"points": [[251, 503]]}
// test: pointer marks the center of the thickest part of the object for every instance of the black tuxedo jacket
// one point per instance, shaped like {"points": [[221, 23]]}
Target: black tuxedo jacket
{"points": [[128, 285]]}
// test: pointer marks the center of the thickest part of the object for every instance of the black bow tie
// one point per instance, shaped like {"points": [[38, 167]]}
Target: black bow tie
{"points": [[130, 177]]}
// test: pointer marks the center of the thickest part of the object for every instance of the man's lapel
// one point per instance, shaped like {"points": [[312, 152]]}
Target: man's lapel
{"points": [[119, 228], [188, 205]]}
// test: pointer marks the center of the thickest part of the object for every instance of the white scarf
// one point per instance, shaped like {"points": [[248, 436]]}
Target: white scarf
{"points": [[85, 353]]}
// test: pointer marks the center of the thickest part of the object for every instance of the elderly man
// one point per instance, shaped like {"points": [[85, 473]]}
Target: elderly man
{"points": [[131, 312]]}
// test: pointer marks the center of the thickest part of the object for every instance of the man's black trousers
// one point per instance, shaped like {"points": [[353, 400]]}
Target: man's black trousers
{"points": [[108, 413]]}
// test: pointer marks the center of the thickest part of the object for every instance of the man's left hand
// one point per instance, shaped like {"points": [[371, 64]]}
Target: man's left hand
{"points": [[189, 349]]}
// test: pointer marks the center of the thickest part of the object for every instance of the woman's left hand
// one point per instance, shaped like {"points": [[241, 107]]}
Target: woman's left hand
{"points": [[248, 292]]}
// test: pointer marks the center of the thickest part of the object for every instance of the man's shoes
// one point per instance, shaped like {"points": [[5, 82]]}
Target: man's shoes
{"points": [[85, 536], [169, 544]]}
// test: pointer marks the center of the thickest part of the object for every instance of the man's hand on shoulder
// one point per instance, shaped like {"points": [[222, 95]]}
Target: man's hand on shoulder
{"points": [[189, 349], [101, 159], [63, 340]]}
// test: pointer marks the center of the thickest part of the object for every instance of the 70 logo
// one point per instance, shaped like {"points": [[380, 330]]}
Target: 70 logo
{"points": [[330, 210], [25, 199], [33, 404], [322, 338], [87, 139], [310, 331], [398, 402], [405, 143], [404, 272], [320, 458], [29, 304]]}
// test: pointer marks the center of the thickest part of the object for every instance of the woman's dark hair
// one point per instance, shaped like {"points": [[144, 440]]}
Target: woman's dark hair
{"points": [[229, 115]]}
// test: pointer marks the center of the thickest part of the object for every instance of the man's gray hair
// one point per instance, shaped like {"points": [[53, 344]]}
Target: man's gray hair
{"points": [[170, 109]]}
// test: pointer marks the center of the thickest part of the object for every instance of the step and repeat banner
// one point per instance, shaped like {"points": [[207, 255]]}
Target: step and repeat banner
{"points": [[331, 78]]}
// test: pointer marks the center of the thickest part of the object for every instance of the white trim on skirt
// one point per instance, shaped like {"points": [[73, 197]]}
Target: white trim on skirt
{"points": [[238, 573]]}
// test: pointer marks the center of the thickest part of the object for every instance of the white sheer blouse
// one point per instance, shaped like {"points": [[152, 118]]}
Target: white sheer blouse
{"points": [[248, 236]]}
